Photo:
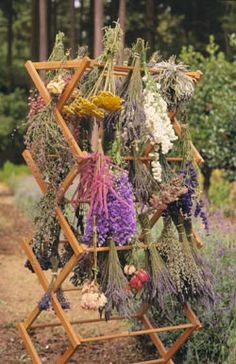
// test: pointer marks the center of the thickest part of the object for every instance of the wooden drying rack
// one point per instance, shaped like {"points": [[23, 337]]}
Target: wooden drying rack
{"points": [[75, 340]]}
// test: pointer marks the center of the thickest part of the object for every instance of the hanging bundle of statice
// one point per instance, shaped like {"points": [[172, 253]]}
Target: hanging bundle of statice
{"points": [[177, 86], [116, 286], [160, 285], [158, 128], [120, 222], [132, 117]]}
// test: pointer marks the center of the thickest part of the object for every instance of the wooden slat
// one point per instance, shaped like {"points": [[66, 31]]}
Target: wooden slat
{"points": [[65, 272], [177, 126], [153, 361], [81, 322], [53, 65], [77, 248], [138, 332], [198, 240], [49, 65], [67, 182], [28, 344], [118, 248], [178, 343], [66, 356], [74, 339], [68, 136], [35, 265], [31, 317], [38, 82], [192, 316], [73, 82], [34, 170]]}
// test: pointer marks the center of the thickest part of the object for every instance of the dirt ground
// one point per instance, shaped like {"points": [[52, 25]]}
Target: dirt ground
{"points": [[20, 292]]}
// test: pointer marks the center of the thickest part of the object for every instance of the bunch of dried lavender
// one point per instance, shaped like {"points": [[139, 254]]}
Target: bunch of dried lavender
{"points": [[142, 180], [176, 86], [132, 115], [161, 284], [172, 253], [45, 301], [115, 286], [198, 281]]}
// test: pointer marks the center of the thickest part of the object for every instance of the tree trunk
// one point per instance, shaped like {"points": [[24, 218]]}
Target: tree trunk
{"points": [[34, 43], [98, 25], [72, 28], [150, 24], [43, 31], [90, 33], [122, 13], [54, 21], [207, 172], [49, 27], [9, 33]]}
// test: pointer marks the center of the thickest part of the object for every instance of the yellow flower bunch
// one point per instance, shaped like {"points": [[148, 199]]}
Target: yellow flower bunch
{"points": [[107, 101], [83, 107]]}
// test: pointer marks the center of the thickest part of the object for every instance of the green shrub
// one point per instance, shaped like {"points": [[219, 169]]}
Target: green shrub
{"points": [[10, 170], [222, 194]]}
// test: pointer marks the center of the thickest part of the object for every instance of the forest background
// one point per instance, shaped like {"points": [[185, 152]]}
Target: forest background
{"points": [[200, 32]]}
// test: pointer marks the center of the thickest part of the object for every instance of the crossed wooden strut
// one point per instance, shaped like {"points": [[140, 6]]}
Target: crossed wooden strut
{"points": [[75, 340]]}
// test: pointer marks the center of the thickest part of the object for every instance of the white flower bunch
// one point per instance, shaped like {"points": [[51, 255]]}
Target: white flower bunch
{"points": [[92, 298], [159, 129]]}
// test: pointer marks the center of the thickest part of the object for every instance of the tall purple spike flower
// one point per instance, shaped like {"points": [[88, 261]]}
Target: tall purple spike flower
{"points": [[120, 222]]}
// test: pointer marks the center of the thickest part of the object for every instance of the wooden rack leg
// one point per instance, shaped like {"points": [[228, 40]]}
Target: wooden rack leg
{"points": [[155, 338], [66, 356], [28, 343]]}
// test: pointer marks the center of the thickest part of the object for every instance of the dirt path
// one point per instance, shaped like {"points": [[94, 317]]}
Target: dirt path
{"points": [[19, 293]]}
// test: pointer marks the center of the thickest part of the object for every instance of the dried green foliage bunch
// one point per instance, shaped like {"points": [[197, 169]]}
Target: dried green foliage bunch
{"points": [[52, 155], [102, 78], [48, 146], [47, 230], [176, 86]]}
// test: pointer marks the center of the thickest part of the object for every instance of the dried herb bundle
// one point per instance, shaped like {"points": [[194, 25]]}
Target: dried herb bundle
{"points": [[176, 86], [161, 284], [115, 286], [48, 147], [132, 117]]}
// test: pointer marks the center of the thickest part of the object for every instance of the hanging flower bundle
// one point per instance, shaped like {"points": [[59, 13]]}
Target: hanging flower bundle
{"points": [[121, 120]]}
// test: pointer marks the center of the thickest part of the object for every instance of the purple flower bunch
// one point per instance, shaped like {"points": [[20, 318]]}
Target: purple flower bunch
{"points": [[120, 222], [199, 212], [185, 202], [45, 302]]}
